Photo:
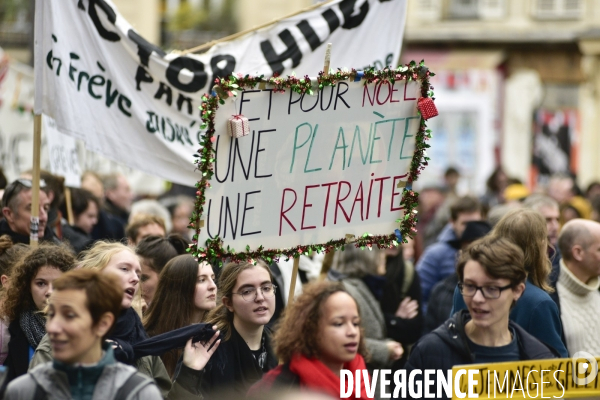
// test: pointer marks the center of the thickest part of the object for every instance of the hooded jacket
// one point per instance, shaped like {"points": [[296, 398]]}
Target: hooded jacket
{"points": [[447, 346]]}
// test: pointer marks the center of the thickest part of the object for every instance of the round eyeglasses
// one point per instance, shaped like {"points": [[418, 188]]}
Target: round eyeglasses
{"points": [[250, 293]]}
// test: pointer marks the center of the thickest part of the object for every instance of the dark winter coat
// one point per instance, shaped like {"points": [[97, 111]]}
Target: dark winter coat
{"points": [[48, 236], [447, 346]]}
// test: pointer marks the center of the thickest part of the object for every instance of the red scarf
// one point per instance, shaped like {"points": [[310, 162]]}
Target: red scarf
{"points": [[315, 375]]}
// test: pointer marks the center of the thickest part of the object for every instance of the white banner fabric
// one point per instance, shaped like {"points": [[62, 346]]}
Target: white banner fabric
{"points": [[133, 103]]}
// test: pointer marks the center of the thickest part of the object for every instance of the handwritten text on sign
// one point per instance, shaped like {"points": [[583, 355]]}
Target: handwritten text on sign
{"points": [[312, 168]]}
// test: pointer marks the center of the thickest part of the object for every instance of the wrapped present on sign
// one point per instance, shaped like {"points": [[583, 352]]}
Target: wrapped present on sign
{"points": [[427, 107], [238, 126]]}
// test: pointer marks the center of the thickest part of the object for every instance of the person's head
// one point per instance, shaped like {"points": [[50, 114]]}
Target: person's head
{"points": [[323, 322], [491, 276], [16, 206], [118, 259], [549, 209], [561, 188], [55, 186], [33, 276], [118, 191], [151, 207], [246, 297], [473, 230], [92, 182], [186, 292], [81, 313], [3, 180], [595, 214], [497, 181], [155, 252], [85, 209], [356, 263], [180, 208], [142, 226], [10, 254], [593, 190], [451, 177], [579, 244], [527, 229], [463, 210]]}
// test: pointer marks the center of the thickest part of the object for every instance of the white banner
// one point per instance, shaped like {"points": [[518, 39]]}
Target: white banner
{"points": [[131, 102], [313, 168], [62, 149]]}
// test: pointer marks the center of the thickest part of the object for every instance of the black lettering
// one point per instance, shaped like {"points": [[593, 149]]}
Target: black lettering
{"points": [[309, 33], [208, 219], [145, 48], [332, 19], [316, 101], [124, 105], [141, 75], [352, 21], [247, 101], [166, 90], [226, 70], [330, 98], [270, 98], [82, 75], [246, 208], [258, 150], [236, 150], [276, 60], [194, 66], [338, 95], [184, 99], [149, 125], [110, 15], [95, 80], [228, 212], [292, 102], [110, 96], [217, 160]]}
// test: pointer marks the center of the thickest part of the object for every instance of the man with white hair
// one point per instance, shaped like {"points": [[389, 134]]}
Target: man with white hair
{"points": [[578, 284]]}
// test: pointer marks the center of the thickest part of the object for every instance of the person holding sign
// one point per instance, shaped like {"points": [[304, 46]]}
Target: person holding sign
{"points": [[246, 304], [491, 280], [319, 334]]}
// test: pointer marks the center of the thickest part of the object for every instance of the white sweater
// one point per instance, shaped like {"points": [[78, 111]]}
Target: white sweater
{"points": [[579, 311]]}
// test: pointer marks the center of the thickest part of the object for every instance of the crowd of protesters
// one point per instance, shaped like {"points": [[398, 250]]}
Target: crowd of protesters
{"points": [[111, 306]]}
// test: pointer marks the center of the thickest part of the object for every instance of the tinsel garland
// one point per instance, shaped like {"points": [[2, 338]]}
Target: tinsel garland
{"points": [[213, 249]]}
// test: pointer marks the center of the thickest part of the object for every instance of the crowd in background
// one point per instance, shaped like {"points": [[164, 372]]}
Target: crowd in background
{"points": [[111, 302]]}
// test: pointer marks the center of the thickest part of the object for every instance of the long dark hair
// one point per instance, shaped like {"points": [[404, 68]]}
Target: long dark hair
{"points": [[156, 251], [173, 304]]}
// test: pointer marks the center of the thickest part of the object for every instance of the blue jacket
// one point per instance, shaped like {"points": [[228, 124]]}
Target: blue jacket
{"points": [[437, 262], [535, 312]]}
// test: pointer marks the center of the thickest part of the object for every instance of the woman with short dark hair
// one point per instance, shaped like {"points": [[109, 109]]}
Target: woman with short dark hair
{"points": [[81, 313]]}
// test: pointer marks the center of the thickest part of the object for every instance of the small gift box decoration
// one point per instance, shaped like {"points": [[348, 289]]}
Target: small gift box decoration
{"points": [[427, 107], [238, 126]]}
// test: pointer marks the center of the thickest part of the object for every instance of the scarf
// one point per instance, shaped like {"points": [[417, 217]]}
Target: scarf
{"points": [[175, 339], [128, 331], [315, 375], [33, 325]]}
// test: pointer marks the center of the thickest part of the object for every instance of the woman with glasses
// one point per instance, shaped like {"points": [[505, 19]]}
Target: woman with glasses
{"points": [[491, 280], [246, 304], [537, 313]]}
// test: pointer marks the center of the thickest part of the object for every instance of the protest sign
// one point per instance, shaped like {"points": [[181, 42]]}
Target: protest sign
{"points": [[325, 159], [133, 103], [62, 149], [563, 378]]}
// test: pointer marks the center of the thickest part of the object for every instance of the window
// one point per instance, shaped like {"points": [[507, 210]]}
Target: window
{"points": [[558, 9], [476, 9], [429, 10]]}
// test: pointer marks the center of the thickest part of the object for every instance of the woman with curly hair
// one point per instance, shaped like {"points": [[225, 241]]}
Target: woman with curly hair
{"points": [[246, 304], [186, 286], [318, 335], [31, 285]]}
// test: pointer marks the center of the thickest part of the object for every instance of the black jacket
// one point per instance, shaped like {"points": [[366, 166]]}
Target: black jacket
{"points": [[447, 346], [76, 237], [232, 369], [49, 235], [17, 360], [108, 228], [440, 302]]}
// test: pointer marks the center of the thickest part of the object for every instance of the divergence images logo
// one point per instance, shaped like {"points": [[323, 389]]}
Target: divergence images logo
{"points": [[587, 368]]}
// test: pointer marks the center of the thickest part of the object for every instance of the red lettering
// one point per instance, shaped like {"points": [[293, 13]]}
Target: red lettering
{"points": [[358, 199], [392, 94], [380, 180], [379, 91], [338, 201], [305, 206], [394, 193], [282, 213], [327, 200], [366, 90]]}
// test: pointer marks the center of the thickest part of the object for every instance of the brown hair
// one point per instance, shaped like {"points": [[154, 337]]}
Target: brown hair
{"points": [[298, 328], [10, 254], [102, 292], [499, 257], [156, 251], [465, 204], [141, 220], [527, 229], [175, 291], [18, 296], [221, 316], [356, 263]]}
